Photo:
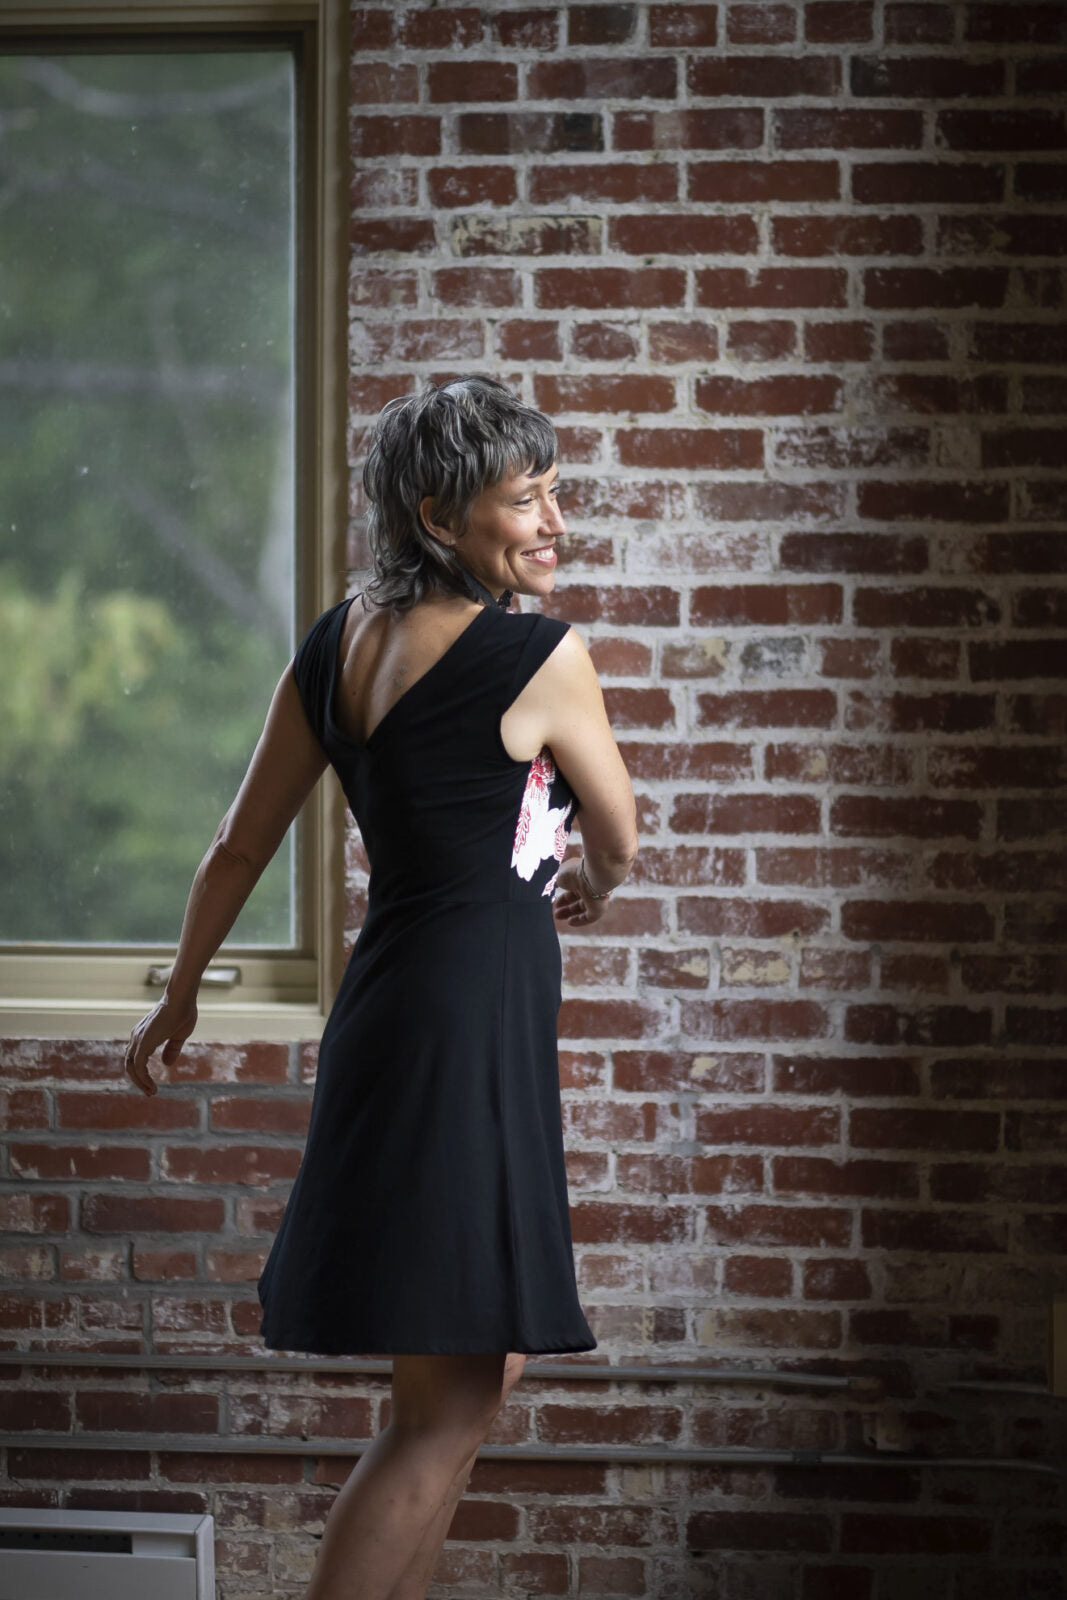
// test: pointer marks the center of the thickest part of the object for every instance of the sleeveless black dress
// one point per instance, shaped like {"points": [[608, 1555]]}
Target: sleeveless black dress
{"points": [[429, 1215]]}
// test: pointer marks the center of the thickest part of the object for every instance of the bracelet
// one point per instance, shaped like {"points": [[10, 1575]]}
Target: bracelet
{"points": [[587, 887]]}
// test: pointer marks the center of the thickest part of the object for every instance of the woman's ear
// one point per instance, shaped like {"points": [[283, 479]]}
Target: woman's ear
{"points": [[437, 529]]}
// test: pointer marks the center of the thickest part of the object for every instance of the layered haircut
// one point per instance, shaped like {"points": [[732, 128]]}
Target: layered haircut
{"points": [[449, 444]]}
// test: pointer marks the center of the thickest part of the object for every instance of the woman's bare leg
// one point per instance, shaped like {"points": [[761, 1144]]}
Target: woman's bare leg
{"points": [[416, 1577], [412, 1475]]}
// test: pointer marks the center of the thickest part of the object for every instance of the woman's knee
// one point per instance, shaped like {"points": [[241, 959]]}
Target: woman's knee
{"points": [[456, 1395]]}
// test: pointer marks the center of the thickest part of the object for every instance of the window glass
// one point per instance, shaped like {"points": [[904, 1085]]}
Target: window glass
{"points": [[146, 476]]}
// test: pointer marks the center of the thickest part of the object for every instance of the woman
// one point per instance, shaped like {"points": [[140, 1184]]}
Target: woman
{"points": [[429, 1217]]}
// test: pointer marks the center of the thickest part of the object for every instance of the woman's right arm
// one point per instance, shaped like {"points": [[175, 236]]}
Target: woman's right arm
{"points": [[562, 706], [287, 763]]}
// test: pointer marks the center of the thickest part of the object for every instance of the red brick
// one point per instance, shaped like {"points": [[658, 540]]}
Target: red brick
{"points": [[603, 393], [673, 1071], [526, 236], [834, 969], [23, 1108], [603, 1222], [834, 1278], [750, 182], [526, 340], [1001, 129], [618, 182], [455, 29], [805, 1227], [499, 133], [852, 552], [525, 30], [1017, 658], [767, 1125], [121, 1110], [375, 188], [757, 919], [761, 24], [598, 288], [394, 136], [455, 82], [758, 1277], [471, 186], [612, 1575], [1040, 180], [532, 1574], [865, 1179], [754, 1019], [838, 341], [939, 500], [138, 1214], [768, 708], [383, 83], [848, 658], [926, 182], [779, 1329], [919, 22], [694, 449], [766, 340], [372, 28], [603, 341], [693, 26], [783, 395], [874, 765], [926, 77], [126, 1411], [817, 129], [847, 236], [914, 817], [768, 605], [897, 288], [608, 1424], [34, 1213], [745, 813], [729, 128], [760, 77], [735, 287], [933, 1025], [1039, 75], [1020, 341], [1015, 23], [838, 22], [90, 1163], [231, 1163], [621, 77], [901, 1128], [658, 234], [916, 1535]]}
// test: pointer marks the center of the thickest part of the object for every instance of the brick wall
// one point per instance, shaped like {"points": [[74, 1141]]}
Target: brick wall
{"points": [[790, 277]]}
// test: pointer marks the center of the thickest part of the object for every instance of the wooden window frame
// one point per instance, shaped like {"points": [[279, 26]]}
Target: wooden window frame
{"points": [[99, 992]]}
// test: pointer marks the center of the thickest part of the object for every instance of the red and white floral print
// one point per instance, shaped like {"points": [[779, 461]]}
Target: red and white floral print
{"points": [[541, 831]]}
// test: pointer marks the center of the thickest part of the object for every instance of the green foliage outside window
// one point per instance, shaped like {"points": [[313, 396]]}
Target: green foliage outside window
{"points": [[146, 477]]}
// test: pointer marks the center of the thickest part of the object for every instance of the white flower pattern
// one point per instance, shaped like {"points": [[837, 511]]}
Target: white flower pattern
{"points": [[541, 831]]}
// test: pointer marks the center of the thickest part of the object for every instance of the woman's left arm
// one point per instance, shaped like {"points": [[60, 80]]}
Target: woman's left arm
{"points": [[287, 763]]}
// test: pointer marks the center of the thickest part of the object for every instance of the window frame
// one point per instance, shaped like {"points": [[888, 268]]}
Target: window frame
{"points": [[79, 991]]}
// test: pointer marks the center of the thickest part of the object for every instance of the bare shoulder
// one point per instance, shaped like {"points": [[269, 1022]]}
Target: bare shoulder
{"points": [[570, 666]]}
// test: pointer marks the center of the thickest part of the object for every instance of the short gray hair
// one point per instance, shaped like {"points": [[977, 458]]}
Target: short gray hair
{"points": [[448, 443]]}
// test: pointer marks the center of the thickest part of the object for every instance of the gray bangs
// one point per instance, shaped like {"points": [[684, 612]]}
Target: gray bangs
{"points": [[447, 444]]}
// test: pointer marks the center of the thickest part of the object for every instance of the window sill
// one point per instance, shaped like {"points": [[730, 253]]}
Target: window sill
{"points": [[222, 1021]]}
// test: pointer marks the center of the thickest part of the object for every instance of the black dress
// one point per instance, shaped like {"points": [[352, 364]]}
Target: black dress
{"points": [[429, 1215]]}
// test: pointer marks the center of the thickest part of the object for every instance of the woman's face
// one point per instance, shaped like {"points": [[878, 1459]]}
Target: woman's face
{"points": [[510, 538]]}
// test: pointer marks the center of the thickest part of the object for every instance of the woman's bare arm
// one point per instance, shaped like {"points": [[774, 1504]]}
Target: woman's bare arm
{"points": [[287, 763]]}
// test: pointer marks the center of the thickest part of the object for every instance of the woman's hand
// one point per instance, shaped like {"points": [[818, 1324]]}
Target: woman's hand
{"points": [[573, 905], [168, 1024]]}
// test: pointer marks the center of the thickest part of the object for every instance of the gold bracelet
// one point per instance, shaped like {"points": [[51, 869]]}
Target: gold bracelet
{"points": [[583, 880]]}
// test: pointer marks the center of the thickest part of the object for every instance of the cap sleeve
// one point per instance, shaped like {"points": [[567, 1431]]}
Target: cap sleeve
{"points": [[544, 635], [314, 665]]}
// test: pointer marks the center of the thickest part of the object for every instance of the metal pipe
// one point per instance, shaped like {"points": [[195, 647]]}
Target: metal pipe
{"points": [[662, 1455], [563, 1372]]}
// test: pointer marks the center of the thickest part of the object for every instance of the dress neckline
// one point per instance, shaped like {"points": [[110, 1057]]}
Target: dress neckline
{"points": [[335, 667]]}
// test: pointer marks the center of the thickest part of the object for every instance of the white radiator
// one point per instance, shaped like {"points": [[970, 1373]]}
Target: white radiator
{"points": [[105, 1555]]}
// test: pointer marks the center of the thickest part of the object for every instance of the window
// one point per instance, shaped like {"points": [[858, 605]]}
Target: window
{"points": [[171, 491]]}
